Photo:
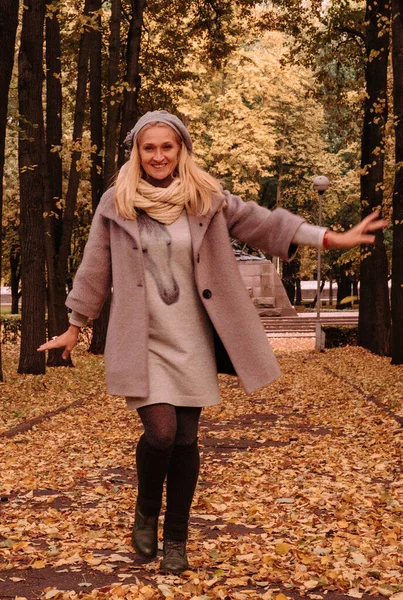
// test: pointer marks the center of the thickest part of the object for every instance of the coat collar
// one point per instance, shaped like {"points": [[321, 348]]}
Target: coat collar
{"points": [[197, 224], [108, 210]]}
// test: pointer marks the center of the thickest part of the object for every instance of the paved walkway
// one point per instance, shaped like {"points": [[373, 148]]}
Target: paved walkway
{"points": [[300, 491]]}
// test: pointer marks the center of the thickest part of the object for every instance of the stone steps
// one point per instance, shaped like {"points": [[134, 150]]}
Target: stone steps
{"points": [[303, 326]]}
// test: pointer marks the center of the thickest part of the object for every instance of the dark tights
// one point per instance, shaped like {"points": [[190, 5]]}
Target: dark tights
{"points": [[166, 425], [168, 449]]}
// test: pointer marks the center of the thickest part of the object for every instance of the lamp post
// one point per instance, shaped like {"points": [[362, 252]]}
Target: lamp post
{"points": [[320, 184]]}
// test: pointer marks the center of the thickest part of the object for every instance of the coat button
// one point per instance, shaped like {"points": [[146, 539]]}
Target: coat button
{"points": [[207, 294]]}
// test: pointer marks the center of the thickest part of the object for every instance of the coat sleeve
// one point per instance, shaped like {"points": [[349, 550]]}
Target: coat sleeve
{"points": [[270, 231], [93, 279]]}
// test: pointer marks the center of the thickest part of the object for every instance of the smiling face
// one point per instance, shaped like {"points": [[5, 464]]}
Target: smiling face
{"points": [[159, 148]]}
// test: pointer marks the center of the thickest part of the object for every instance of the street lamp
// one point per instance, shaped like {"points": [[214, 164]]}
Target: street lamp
{"points": [[320, 184]]}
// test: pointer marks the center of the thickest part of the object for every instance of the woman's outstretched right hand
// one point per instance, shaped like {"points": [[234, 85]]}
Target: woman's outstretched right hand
{"points": [[66, 340]]}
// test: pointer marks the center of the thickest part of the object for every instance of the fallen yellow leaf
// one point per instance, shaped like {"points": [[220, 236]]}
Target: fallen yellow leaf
{"points": [[354, 593], [52, 594], [282, 548], [311, 584]]}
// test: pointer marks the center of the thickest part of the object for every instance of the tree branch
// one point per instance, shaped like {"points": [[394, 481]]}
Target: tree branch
{"points": [[353, 32]]}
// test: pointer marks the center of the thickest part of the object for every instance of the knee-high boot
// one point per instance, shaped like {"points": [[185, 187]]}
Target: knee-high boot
{"points": [[182, 478], [152, 466]]}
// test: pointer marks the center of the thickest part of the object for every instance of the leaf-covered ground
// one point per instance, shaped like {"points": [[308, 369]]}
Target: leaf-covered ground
{"points": [[300, 492]]}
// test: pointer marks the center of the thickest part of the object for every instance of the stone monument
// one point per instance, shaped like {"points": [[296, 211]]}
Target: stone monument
{"points": [[265, 287]]}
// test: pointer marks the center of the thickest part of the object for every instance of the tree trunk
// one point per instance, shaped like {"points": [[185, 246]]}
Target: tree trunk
{"points": [[30, 159], [8, 28], [374, 316], [15, 270], [113, 106], [290, 271], [130, 111], [280, 170], [289, 287], [74, 175], [57, 311], [100, 325], [322, 285], [343, 289], [95, 41], [298, 292], [397, 218]]}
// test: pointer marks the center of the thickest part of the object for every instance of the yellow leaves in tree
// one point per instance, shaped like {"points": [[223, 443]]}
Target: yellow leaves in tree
{"points": [[243, 111]]}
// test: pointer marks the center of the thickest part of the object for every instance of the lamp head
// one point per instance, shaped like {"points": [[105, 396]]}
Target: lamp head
{"points": [[320, 184]]}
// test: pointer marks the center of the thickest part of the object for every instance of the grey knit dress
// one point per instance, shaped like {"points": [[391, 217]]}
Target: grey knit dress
{"points": [[181, 357]]}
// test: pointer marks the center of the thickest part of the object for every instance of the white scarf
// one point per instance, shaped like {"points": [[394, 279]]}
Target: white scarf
{"points": [[162, 204]]}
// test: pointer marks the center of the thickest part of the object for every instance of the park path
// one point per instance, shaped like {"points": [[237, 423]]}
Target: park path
{"points": [[300, 492]]}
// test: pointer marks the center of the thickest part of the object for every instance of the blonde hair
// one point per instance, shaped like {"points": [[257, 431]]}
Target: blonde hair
{"points": [[198, 185]]}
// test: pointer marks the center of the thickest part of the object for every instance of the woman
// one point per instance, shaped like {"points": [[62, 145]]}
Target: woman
{"points": [[180, 312]]}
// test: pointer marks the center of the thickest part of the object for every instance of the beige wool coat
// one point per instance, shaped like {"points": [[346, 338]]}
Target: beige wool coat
{"points": [[113, 259]]}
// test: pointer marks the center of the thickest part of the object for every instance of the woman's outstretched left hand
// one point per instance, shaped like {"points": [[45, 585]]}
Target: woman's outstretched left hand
{"points": [[357, 235]]}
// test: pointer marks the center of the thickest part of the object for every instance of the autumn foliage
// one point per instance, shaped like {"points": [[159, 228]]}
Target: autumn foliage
{"points": [[273, 93]]}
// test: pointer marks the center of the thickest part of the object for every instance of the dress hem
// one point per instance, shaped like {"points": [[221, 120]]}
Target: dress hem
{"points": [[134, 403]]}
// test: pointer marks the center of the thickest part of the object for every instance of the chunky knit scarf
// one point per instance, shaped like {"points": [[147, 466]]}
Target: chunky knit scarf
{"points": [[162, 204]]}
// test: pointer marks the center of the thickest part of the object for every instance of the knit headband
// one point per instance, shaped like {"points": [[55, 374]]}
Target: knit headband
{"points": [[160, 116]]}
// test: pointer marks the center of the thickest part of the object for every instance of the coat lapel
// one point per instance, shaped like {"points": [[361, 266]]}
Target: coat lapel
{"points": [[198, 224]]}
